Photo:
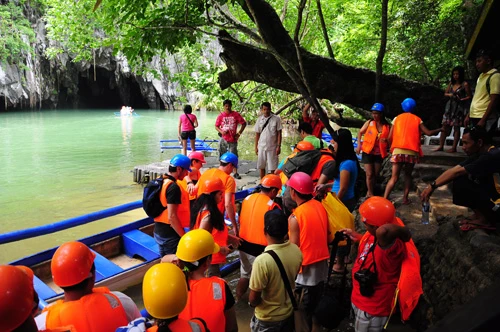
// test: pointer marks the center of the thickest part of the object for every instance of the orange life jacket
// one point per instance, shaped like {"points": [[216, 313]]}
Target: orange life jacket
{"points": [[181, 325], [371, 136], [313, 223], [100, 311], [60, 329], [216, 173], [406, 133], [326, 156], [183, 210], [220, 237], [410, 282], [252, 213], [206, 300]]}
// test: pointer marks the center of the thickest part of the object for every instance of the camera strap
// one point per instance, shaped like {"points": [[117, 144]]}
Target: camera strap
{"points": [[288, 287], [372, 249]]}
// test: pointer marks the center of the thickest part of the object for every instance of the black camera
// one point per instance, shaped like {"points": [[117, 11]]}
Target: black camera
{"points": [[366, 280]]}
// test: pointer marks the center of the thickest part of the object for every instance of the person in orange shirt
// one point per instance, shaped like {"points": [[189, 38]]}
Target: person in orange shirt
{"points": [[308, 226], [86, 308], [406, 149], [228, 162], [377, 267], [252, 235], [374, 145], [206, 215]]}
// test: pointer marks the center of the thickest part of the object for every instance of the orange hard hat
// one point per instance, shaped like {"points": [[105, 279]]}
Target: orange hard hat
{"points": [[271, 181], [211, 185], [377, 211], [16, 297], [304, 145], [301, 182], [71, 264], [198, 156]]}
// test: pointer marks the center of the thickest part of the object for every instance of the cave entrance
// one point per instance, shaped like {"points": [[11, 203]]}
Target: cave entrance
{"points": [[104, 92]]}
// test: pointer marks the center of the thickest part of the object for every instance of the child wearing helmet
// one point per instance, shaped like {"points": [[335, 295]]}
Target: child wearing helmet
{"points": [[405, 134], [197, 160], [374, 147], [206, 215]]}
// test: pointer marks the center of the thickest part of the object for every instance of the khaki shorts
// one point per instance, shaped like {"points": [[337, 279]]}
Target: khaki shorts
{"points": [[267, 159], [246, 261]]}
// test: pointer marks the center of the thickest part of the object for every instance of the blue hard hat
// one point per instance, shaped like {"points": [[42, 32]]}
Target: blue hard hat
{"points": [[229, 157], [180, 160], [378, 107], [409, 105]]}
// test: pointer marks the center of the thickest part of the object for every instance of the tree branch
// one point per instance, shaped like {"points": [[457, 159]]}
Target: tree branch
{"points": [[323, 28], [381, 52], [290, 103]]}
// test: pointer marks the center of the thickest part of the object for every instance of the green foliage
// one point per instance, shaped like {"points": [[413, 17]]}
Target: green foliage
{"points": [[424, 38], [16, 34]]}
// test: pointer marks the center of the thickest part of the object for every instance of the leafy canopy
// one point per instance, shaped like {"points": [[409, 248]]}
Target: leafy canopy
{"points": [[424, 36]]}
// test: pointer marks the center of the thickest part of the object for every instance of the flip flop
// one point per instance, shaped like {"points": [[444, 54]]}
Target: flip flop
{"points": [[408, 202], [471, 226]]}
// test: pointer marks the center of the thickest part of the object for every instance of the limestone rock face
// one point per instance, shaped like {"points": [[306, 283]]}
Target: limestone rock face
{"points": [[105, 82]]}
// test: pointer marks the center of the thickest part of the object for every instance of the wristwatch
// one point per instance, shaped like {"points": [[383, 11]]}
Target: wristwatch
{"points": [[434, 185]]}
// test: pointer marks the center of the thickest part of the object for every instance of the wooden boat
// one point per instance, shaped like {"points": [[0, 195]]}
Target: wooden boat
{"points": [[123, 254]]}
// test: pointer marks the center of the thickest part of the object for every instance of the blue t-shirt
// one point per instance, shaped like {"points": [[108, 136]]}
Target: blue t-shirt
{"points": [[352, 168]]}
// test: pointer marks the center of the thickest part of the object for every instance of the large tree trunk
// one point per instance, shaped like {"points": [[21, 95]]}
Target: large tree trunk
{"points": [[326, 77]]}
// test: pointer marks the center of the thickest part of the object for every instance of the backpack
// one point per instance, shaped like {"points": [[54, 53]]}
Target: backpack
{"points": [[304, 161], [151, 198]]}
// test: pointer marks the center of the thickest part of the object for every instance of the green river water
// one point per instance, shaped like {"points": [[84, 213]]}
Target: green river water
{"points": [[62, 164]]}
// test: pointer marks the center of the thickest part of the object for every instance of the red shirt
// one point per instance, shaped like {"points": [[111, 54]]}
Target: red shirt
{"points": [[388, 263], [229, 123], [318, 126]]}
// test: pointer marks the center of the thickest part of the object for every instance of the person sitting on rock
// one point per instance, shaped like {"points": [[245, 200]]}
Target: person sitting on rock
{"points": [[476, 180]]}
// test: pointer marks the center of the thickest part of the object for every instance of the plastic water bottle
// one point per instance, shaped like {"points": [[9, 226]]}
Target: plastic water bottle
{"points": [[426, 208]]}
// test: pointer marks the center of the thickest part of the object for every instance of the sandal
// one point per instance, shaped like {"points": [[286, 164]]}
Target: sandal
{"points": [[471, 226], [408, 202]]}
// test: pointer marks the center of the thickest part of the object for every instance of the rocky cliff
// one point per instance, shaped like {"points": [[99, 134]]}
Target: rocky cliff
{"points": [[37, 82]]}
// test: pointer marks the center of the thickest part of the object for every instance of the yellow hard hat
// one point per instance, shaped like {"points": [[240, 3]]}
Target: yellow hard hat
{"points": [[164, 291], [195, 245]]}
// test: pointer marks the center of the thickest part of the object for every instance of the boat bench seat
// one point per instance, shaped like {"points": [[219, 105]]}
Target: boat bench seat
{"points": [[137, 243], [104, 268], [43, 290]]}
